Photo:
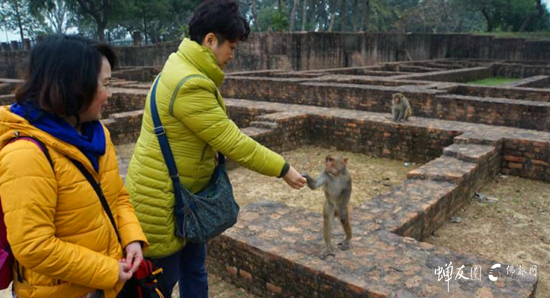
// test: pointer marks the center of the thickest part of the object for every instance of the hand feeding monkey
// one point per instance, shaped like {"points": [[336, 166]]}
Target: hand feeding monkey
{"points": [[400, 108], [336, 183]]}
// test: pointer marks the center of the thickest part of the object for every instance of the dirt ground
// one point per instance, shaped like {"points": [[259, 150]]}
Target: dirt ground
{"points": [[515, 230], [370, 175]]}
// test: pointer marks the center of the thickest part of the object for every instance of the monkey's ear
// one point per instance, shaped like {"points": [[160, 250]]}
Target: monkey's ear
{"points": [[346, 161]]}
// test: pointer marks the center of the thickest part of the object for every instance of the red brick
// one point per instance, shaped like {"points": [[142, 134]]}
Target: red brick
{"points": [[514, 165], [514, 158], [231, 270], [273, 288], [245, 275]]}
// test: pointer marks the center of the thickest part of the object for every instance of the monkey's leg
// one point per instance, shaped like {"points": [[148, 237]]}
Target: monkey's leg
{"points": [[395, 113], [400, 115], [344, 219], [408, 113], [328, 217]]}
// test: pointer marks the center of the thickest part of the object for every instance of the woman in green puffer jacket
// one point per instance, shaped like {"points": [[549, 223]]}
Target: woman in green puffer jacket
{"points": [[194, 116]]}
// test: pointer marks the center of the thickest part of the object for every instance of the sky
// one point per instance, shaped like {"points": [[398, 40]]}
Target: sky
{"points": [[15, 36]]}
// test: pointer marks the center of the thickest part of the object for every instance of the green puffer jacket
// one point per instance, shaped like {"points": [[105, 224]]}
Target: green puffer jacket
{"points": [[194, 116]]}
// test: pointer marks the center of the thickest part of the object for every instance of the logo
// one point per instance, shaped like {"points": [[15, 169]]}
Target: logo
{"points": [[492, 270]]}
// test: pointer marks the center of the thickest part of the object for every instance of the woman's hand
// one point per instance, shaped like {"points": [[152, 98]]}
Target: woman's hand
{"points": [[294, 179], [134, 256], [124, 272]]}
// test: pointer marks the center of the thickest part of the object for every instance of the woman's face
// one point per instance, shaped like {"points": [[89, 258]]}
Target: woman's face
{"points": [[93, 112]]}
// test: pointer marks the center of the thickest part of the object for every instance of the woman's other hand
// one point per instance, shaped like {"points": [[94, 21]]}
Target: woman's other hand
{"points": [[134, 256], [294, 179]]}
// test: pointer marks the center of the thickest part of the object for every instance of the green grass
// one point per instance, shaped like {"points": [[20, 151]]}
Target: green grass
{"points": [[493, 81], [541, 35]]}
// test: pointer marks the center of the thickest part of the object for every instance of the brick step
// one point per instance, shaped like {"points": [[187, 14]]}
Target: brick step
{"points": [[264, 124], [272, 251], [445, 168], [470, 152]]}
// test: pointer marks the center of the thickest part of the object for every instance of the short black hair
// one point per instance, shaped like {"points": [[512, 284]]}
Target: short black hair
{"points": [[62, 75], [220, 17]]}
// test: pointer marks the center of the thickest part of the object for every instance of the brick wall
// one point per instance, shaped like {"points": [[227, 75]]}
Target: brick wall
{"points": [[522, 93], [425, 103], [526, 158]]}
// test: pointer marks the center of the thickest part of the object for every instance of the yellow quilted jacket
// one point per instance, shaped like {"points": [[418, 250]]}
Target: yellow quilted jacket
{"points": [[63, 241], [194, 116]]}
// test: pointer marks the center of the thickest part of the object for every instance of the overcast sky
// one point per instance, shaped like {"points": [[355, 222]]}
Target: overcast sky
{"points": [[15, 35]]}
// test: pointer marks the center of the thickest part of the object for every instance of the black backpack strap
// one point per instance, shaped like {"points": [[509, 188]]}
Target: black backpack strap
{"points": [[99, 193], [39, 143], [44, 149]]}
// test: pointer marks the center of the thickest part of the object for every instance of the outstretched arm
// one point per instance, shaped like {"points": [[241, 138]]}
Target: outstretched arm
{"points": [[315, 183]]}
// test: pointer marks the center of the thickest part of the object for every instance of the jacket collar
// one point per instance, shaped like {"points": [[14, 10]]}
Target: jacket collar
{"points": [[203, 59], [11, 123]]}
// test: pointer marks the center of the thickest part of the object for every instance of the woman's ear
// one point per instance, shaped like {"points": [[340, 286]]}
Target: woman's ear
{"points": [[210, 40]]}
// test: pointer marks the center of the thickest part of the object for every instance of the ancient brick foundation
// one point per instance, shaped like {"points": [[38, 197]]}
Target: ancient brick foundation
{"points": [[464, 134]]}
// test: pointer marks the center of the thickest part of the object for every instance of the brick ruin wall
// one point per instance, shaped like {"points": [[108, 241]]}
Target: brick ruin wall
{"points": [[449, 132], [315, 50]]}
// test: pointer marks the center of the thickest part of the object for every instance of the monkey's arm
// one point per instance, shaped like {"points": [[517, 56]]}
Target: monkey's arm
{"points": [[315, 183], [401, 114], [394, 113]]}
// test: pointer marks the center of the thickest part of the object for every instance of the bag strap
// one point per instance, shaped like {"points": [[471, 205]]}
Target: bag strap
{"points": [[160, 132], [44, 150], [99, 192], [38, 143]]}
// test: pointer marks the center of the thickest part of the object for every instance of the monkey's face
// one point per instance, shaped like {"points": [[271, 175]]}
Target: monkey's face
{"points": [[397, 98], [334, 164]]}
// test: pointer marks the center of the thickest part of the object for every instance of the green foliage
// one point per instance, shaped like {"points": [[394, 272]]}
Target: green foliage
{"points": [[16, 16], [493, 81], [158, 20], [271, 19]]}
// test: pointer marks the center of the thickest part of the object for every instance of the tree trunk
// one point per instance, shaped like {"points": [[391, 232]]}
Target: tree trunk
{"points": [[19, 21], [332, 15], [293, 15], [313, 16], [488, 19], [343, 14], [531, 17], [280, 6], [366, 16], [101, 31], [304, 15], [255, 15], [355, 4]]}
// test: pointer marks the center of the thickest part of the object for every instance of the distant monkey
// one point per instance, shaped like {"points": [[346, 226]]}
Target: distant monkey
{"points": [[336, 183], [400, 107]]}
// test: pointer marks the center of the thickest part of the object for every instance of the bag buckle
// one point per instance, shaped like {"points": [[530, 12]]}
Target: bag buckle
{"points": [[159, 130]]}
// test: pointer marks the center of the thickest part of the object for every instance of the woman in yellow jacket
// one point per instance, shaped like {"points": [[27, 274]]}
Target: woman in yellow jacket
{"points": [[193, 114], [62, 239]]}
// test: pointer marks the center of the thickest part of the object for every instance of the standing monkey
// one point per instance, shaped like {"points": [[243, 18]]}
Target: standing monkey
{"points": [[336, 183], [400, 107]]}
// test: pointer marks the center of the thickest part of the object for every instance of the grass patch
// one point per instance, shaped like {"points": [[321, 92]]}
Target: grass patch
{"points": [[493, 81], [541, 35]]}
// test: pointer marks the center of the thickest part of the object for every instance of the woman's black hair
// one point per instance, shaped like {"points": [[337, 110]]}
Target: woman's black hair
{"points": [[63, 73], [220, 17]]}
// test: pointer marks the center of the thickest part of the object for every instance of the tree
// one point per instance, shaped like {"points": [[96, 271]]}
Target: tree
{"points": [[365, 16], [343, 16], [293, 15], [531, 17], [304, 15], [255, 15], [54, 15], [354, 22], [101, 11], [332, 14], [16, 16]]}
